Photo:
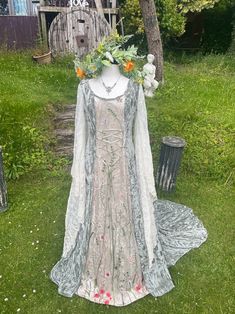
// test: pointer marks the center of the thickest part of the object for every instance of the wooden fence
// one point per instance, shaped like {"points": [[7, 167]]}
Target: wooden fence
{"points": [[66, 3], [18, 32]]}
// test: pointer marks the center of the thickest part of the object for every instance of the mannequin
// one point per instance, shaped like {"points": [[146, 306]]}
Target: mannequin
{"points": [[110, 75], [119, 238]]}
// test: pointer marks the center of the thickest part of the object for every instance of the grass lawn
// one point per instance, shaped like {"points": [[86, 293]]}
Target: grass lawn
{"points": [[197, 103]]}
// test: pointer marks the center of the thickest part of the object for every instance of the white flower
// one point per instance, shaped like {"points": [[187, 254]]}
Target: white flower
{"points": [[109, 56], [32, 243], [54, 221], [6, 299], [31, 231], [37, 229], [40, 212], [24, 295], [18, 309], [37, 241], [34, 290], [0, 276]]}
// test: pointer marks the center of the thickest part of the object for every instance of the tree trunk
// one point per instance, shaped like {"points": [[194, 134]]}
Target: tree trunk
{"points": [[153, 35]]}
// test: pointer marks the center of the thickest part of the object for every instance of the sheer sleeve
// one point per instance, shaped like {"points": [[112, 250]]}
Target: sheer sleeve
{"points": [[145, 173], [76, 200]]}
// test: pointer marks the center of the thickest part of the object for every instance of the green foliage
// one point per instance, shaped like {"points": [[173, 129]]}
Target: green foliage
{"points": [[197, 103], [24, 147], [111, 50], [27, 94], [171, 15], [196, 5], [171, 19], [217, 28]]}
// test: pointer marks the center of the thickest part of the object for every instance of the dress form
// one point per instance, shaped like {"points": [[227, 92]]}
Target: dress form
{"points": [[110, 75]]}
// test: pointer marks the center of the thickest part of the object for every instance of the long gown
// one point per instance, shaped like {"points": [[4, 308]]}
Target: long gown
{"points": [[120, 239]]}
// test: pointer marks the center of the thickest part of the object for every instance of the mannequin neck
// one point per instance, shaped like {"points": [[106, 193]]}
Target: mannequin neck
{"points": [[111, 72]]}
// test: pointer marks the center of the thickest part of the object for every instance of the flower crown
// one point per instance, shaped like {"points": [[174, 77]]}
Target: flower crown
{"points": [[110, 51]]}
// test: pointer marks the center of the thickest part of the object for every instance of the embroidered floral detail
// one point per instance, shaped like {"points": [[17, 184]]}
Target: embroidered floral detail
{"points": [[96, 295], [138, 287], [101, 291], [107, 274], [106, 302], [108, 294], [102, 237]]}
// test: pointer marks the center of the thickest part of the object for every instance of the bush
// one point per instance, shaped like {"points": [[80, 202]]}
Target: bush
{"points": [[24, 146]]}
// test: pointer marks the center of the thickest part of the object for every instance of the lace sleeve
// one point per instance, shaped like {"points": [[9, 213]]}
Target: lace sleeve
{"points": [[76, 201], [145, 173], [79, 133], [142, 145]]}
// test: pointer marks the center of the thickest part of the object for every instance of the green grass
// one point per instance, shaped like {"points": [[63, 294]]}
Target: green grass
{"points": [[198, 104], [29, 95], [37, 200]]}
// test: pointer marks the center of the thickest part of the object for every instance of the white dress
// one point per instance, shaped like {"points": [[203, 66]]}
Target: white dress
{"points": [[119, 238]]}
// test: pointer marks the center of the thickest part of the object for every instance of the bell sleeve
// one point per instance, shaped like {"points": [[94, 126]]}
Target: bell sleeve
{"points": [[145, 173], [76, 201]]}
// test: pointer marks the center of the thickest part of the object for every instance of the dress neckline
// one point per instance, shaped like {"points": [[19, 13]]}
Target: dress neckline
{"points": [[123, 94]]}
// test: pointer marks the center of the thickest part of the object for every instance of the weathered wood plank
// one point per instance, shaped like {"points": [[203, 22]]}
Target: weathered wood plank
{"points": [[64, 9], [17, 32], [77, 31]]}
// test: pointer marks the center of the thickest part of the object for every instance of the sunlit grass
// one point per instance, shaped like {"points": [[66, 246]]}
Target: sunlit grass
{"points": [[196, 103]]}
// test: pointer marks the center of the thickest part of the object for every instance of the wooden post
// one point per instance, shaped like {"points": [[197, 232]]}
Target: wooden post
{"points": [[3, 189], [99, 7], [114, 16], [11, 8], [43, 24]]}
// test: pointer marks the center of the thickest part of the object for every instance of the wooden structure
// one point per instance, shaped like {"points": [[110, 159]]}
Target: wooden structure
{"points": [[18, 32], [79, 31], [49, 9]]}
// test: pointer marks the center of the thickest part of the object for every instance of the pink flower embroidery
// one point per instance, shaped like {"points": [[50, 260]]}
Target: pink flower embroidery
{"points": [[101, 291], [102, 237], [107, 274], [138, 287], [106, 302], [96, 295], [108, 294]]}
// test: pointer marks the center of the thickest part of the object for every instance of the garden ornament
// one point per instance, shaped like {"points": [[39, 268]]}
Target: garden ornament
{"points": [[150, 84]]}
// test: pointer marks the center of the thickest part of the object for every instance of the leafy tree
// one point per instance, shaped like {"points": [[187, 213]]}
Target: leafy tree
{"points": [[171, 15]]}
